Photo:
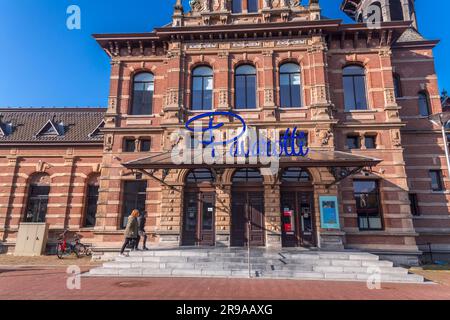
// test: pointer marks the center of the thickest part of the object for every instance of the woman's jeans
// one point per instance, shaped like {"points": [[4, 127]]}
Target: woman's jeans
{"points": [[127, 242]]}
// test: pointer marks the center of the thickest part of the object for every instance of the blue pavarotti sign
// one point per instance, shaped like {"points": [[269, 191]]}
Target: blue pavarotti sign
{"points": [[292, 143]]}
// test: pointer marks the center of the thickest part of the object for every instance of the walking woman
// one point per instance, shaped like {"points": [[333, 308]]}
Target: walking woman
{"points": [[131, 231]]}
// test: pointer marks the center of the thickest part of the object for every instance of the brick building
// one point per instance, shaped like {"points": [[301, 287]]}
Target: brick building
{"points": [[362, 95]]}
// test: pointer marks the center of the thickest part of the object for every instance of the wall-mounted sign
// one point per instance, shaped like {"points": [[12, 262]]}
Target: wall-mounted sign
{"points": [[329, 212]]}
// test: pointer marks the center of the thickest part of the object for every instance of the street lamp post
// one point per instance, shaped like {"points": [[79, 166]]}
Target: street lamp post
{"points": [[442, 119]]}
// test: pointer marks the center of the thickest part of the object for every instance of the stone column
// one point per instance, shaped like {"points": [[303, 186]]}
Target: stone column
{"points": [[170, 223], [223, 215], [173, 108], [272, 215], [391, 107], [269, 109], [321, 105]]}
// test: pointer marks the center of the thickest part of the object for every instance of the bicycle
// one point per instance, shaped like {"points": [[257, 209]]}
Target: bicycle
{"points": [[65, 248]]}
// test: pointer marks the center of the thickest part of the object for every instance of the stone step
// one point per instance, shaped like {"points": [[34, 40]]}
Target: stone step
{"points": [[284, 264], [283, 274]]}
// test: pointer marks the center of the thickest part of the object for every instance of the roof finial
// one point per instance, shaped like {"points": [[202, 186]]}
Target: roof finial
{"points": [[178, 13]]}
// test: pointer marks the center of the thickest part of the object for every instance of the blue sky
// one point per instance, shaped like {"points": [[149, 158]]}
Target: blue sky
{"points": [[42, 63]]}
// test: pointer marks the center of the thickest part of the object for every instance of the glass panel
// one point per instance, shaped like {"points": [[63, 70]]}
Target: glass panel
{"points": [[91, 207], [370, 143], [285, 91], [295, 175], [349, 94], [145, 145], [436, 180], [207, 218], [135, 195], [289, 68], [396, 10], [247, 175], [424, 107], [353, 142], [363, 223], [191, 214], [251, 92], [197, 98], [246, 70], [296, 92], [252, 5], [353, 71], [375, 223], [129, 145], [203, 71], [360, 93], [143, 77], [364, 186], [240, 92], [237, 6], [200, 175]]}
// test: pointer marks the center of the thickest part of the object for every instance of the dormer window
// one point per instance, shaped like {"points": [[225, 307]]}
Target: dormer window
{"points": [[98, 130], [51, 129], [5, 128]]}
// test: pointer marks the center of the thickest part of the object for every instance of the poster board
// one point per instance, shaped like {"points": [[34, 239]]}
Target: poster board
{"points": [[329, 212]]}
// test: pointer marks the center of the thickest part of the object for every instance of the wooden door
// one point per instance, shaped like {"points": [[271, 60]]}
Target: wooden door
{"points": [[199, 219], [247, 220]]}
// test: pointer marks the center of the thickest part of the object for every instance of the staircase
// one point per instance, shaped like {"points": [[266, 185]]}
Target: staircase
{"points": [[265, 264]]}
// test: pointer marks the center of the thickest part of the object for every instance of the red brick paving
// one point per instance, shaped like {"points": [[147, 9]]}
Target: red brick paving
{"points": [[39, 283]]}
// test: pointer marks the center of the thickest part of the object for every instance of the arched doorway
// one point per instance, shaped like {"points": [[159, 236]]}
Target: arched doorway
{"points": [[297, 198], [247, 209], [199, 209]]}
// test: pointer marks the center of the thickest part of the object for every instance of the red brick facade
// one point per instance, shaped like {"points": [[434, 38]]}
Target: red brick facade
{"points": [[406, 142]]}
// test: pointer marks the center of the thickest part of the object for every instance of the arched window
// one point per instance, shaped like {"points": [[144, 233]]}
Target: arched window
{"points": [[424, 104], [397, 86], [355, 88], [295, 175], [202, 88], [200, 175], [39, 189], [236, 6], [290, 86], [252, 6], [372, 11], [143, 88], [245, 87], [247, 176], [92, 193], [396, 10]]}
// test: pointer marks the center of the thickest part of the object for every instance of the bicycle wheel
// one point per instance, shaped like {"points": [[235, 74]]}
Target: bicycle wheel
{"points": [[80, 250], [59, 251]]}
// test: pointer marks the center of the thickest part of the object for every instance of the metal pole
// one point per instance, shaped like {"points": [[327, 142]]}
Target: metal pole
{"points": [[248, 250]]}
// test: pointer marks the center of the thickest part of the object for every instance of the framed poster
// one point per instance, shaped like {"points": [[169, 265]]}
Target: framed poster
{"points": [[329, 212]]}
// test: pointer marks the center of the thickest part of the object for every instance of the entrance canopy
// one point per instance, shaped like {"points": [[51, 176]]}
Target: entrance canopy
{"points": [[340, 164], [315, 158]]}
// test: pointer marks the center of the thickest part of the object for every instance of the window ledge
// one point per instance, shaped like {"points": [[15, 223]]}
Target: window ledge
{"points": [[126, 116], [362, 111], [294, 109], [247, 110]]}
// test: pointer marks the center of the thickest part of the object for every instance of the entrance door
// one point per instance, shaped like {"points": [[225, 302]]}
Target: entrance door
{"points": [[199, 226], [247, 219], [297, 219]]}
